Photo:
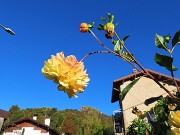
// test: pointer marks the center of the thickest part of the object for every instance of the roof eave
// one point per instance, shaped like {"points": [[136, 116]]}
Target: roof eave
{"points": [[120, 81]]}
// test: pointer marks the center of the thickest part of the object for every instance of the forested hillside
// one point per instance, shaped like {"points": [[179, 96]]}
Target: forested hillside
{"points": [[87, 121]]}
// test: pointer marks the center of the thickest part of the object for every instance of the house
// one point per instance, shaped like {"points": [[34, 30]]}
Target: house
{"points": [[117, 124], [85, 108], [3, 116], [29, 126], [142, 94]]}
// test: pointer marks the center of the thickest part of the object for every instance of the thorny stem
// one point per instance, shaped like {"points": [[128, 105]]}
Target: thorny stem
{"points": [[135, 61], [93, 53], [109, 50], [145, 71], [172, 74]]}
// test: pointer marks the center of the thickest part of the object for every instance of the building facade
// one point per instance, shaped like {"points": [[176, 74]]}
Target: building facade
{"points": [[143, 95], [28, 126]]}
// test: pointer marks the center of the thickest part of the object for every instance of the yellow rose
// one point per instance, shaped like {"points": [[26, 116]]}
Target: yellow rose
{"points": [[174, 122], [68, 72], [174, 118]]}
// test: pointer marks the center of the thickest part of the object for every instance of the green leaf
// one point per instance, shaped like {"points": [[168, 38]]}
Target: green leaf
{"points": [[176, 38], [104, 19], [112, 19], [174, 68], [127, 88], [100, 27], [124, 38], [127, 57], [91, 25], [118, 48], [114, 41], [109, 16], [164, 61], [160, 43]]}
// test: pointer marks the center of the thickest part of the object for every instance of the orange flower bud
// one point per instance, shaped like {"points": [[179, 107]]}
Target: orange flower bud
{"points": [[84, 27]]}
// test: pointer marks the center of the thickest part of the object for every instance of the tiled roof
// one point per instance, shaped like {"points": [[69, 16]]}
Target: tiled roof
{"points": [[160, 77], [34, 122], [4, 114]]}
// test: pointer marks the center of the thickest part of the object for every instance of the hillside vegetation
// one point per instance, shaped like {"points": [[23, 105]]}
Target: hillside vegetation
{"points": [[87, 121]]}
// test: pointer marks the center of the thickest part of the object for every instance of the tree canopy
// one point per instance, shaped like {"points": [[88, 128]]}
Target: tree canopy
{"points": [[71, 122]]}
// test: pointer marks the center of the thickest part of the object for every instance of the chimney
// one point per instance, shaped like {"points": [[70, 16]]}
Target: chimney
{"points": [[35, 117], [47, 121]]}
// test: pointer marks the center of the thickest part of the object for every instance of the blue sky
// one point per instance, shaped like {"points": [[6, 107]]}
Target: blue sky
{"points": [[45, 27]]}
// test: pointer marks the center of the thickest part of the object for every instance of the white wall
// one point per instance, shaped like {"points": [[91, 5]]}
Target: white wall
{"points": [[28, 131], [145, 88]]}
